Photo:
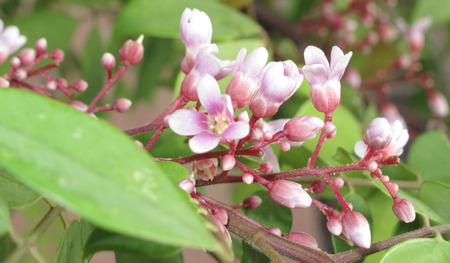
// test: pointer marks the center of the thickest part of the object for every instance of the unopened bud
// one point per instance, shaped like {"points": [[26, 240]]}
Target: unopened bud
{"points": [[285, 146], [187, 185], [108, 61], [371, 166], [247, 178], [266, 167], [318, 186], [338, 182], [379, 134], [302, 128], [268, 135], [78, 105], [14, 62], [275, 230], [334, 225], [51, 85], [302, 239], [27, 56], [356, 228], [41, 46], [122, 105], [404, 210], [289, 194], [132, 52], [329, 129], [253, 202], [57, 55], [20, 74], [4, 83], [80, 85], [228, 162], [438, 104]]}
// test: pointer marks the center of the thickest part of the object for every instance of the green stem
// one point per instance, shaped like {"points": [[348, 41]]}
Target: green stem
{"points": [[21, 251]]}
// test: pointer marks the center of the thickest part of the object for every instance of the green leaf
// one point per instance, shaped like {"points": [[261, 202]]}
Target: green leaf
{"points": [[91, 2], [430, 156], [419, 250], [162, 19], [14, 192], [95, 170], [70, 249], [122, 257], [176, 171], [7, 245], [421, 207], [437, 9], [348, 132], [251, 255], [101, 240], [5, 221], [437, 196]]}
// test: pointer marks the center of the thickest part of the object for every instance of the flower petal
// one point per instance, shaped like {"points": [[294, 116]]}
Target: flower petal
{"points": [[338, 69], [336, 55], [255, 62], [209, 95], [188, 122], [360, 149], [314, 55], [204, 142], [271, 158], [236, 130], [315, 74]]}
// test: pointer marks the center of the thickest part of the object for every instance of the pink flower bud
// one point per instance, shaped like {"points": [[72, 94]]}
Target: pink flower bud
{"points": [[20, 74], [318, 186], [41, 46], [221, 215], [57, 55], [205, 169], [14, 62], [80, 85], [302, 128], [27, 56], [253, 202], [121, 105], [338, 182], [51, 85], [187, 185], [334, 225], [108, 61], [132, 52], [4, 83], [227, 162], [78, 105], [247, 178], [438, 104], [285, 146], [289, 194], [378, 134], [275, 230], [404, 210], [302, 239], [329, 128], [266, 167], [356, 228]]}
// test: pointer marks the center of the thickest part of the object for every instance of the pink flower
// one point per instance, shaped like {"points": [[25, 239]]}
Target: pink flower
{"points": [[302, 128], [215, 126], [415, 34], [10, 41], [324, 78], [379, 134], [356, 228], [289, 194], [280, 81], [205, 168], [404, 210], [132, 52], [247, 76], [399, 139], [195, 32]]}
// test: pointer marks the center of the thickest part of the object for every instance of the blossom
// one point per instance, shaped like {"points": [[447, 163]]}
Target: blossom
{"points": [[215, 126], [379, 134], [247, 76], [356, 228], [10, 41], [289, 194], [399, 138], [302, 128], [280, 81], [324, 78]]}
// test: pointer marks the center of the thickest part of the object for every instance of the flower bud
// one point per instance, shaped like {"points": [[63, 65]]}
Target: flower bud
{"points": [[253, 202], [27, 56], [51, 85], [122, 105], [187, 185], [356, 228], [302, 128], [289, 194], [14, 62], [302, 239], [221, 215], [438, 104], [80, 85], [247, 178], [275, 230], [205, 169], [378, 135], [227, 162], [41, 46], [4, 83], [78, 105], [108, 61], [318, 186], [404, 210], [132, 52], [334, 225], [57, 55]]}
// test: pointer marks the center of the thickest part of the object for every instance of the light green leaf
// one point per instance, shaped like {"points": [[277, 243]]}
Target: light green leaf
{"points": [[14, 192], [162, 19], [430, 156], [70, 249], [418, 251], [421, 207], [122, 257], [95, 170], [5, 221], [437, 196], [437, 9]]}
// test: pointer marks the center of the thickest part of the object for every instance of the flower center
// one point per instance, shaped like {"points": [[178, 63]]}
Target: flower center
{"points": [[218, 124]]}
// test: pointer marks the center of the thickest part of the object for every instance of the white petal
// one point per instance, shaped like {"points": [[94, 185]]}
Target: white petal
{"points": [[204, 142], [314, 55], [360, 149], [339, 67], [236, 130], [188, 122], [209, 95]]}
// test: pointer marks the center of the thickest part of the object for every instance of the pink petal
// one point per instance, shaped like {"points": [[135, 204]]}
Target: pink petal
{"points": [[338, 69], [314, 55], [271, 158], [204, 142], [209, 95], [188, 122], [336, 55], [315, 74], [255, 62], [207, 63], [236, 130]]}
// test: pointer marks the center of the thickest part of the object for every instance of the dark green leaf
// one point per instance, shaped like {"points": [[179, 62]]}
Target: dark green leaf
{"points": [[162, 19], [101, 240], [430, 156], [70, 249], [95, 170], [5, 221], [14, 192], [252, 255], [7, 246], [122, 257], [437, 196], [418, 251]]}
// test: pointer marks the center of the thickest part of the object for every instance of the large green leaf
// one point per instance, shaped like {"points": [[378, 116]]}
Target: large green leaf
{"points": [[436, 9], [7, 245], [5, 221], [70, 249], [14, 192], [95, 170], [122, 257], [430, 156], [162, 19], [419, 250], [437, 196]]}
